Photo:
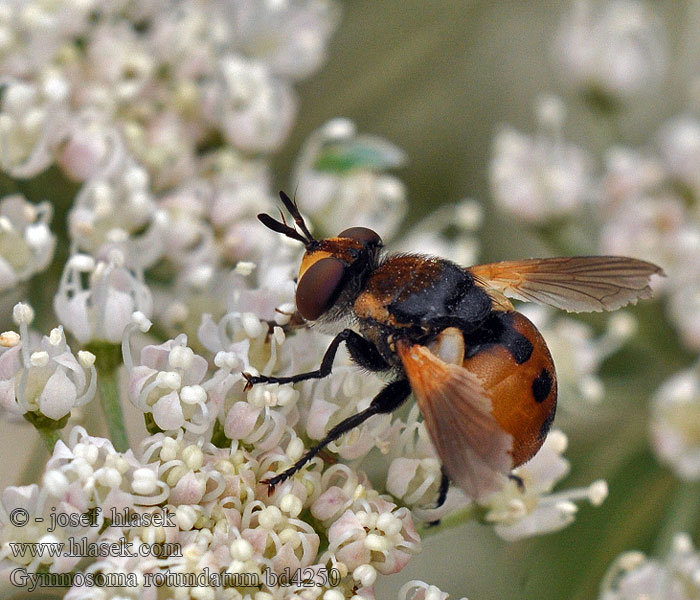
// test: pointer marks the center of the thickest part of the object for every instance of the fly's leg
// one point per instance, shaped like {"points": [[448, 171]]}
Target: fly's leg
{"points": [[442, 494], [386, 401], [444, 486], [518, 481], [363, 352]]}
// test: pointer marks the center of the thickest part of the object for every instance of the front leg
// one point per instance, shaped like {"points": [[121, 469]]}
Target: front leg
{"points": [[363, 352], [386, 401]]}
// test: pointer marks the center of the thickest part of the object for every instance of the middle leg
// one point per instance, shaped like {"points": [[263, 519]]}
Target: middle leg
{"points": [[386, 401]]}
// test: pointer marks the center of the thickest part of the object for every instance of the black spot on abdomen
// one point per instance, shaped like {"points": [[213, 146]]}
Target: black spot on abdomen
{"points": [[518, 345], [542, 385], [498, 329]]}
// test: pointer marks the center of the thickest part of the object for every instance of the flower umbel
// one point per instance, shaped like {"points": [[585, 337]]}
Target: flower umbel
{"points": [[139, 142]]}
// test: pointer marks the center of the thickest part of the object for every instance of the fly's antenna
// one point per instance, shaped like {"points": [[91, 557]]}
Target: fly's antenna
{"points": [[294, 211], [281, 226]]}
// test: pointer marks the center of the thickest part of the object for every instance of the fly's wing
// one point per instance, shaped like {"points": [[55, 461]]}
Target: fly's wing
{"points": [[474, 449], [575, 284]]}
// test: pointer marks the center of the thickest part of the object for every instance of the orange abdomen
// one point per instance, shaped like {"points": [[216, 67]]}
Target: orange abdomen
{"points": [[522, 385]]}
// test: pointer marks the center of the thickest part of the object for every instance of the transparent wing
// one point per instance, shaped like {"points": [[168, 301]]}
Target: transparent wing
{"points": [[474, 449], [575, 284]]}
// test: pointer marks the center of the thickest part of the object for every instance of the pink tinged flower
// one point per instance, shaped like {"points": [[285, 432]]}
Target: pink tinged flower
{"points": [[118, 59], [320, 413], [187, 41], [360, 441], [44, 377], [630, 174], [188, 239], [674, 431], [613, 50], [37, 503], [167, 145], [415, 481], [241, 240], [684, 311], [337, 397], [253, 108], [284, 540], [115, 209], [519, 512], [58, 396], [119, 567], [168, 413], [679, 144], [265, 303], [102, 308], [675, 577], [414, 470], [294, 55], [260, 423], [419, 590], [647, 216], [373, 532], [188, 490], [330, 503], [540, 177], [79, 476], [167, 384], [240, 186], [14, 498], [100, 476], [26, 242], [92, 147], [241, 420], [32, 120]]}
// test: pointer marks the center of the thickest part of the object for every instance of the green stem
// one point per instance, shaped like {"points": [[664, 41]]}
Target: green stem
{"points": [[108, 361], [681, 515], [109, 394], [49, 437], [35, 463]]}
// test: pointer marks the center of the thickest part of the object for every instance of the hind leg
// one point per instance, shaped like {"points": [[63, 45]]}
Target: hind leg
{"points": [[442, 494]]}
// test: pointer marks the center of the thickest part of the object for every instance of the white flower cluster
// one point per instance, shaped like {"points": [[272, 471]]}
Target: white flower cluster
{"points": [[26, 242], [540, 177], [634, 576], [203, 509], [527, 506], [674, 423], [161, 78], [644, 203], [611, 51], [419, 590], [165, 113], [41, 378], [649, 202], [650, 209]]}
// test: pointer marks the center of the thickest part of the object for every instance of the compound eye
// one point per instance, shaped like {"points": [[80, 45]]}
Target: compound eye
{"points": [[318, 287], [361, 234]]}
